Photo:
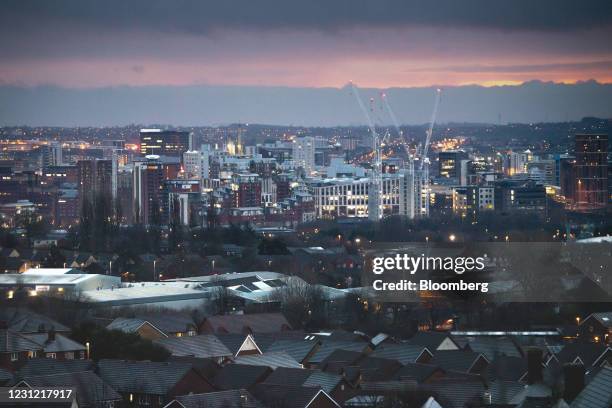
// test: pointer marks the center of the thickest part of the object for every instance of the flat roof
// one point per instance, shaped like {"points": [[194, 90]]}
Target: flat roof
{"points": [[50, 271]]}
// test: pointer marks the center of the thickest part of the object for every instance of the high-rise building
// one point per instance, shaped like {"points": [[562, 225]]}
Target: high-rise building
{"points": [[192, 164], [590, 172], [164, 142], [51, 154], [449, 163], [246, 189], [304, 153], [96, 177], [148, 188]]}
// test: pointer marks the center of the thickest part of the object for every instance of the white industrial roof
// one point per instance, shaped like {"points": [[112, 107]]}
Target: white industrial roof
{"points": [[48, 271]]}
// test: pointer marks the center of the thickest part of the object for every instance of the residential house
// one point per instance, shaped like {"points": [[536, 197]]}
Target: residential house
{"points": [[58, 346], [25, 321], [151, 384], [91, 390], [282, 396], [245, 323], [597, 392], [236, 376], [220, 399], [333, 384], [202, 346], [460, 360], [597, 327], [16, 348]]}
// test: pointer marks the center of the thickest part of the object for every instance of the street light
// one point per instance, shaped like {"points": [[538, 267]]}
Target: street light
{"points": [[87, 347], [154, 270], [452, 237]]}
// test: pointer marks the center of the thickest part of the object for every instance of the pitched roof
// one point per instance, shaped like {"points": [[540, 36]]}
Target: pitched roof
{"points": [[341, 358], [492, 347], [5, 376], [13, 342], [90, 389], [587, 353], [130, 325], [506, 368], [206, 367], [431, 339], [272, 360], [142, 376], [404, 353], [597, 393], [298, 349], [220, 399], [417, 372], [170, 322], [233, 376], [604, 318], [288, 376], [453, 393], [502, 392], [234, 341], [459, 360], [286, 396], [326, 381], [59, 344], [46, 366], [25, 321], [328, 347], [204, 346], [254, 323]]}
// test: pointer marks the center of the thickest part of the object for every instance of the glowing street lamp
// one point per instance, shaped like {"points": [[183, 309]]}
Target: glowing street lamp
{"points": [[452, 237]]}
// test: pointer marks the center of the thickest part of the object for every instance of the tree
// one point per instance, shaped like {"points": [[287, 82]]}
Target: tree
{"points": [[273, 246], [117, 344]]}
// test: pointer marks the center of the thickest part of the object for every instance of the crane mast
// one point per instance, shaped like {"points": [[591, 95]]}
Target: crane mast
{"points": [[375, 187]]}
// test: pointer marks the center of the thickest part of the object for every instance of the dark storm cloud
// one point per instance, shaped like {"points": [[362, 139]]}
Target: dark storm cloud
{"points": [[192, 16]]}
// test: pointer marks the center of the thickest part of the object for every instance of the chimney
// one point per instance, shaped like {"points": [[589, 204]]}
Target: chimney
{"points": [[534, 365], [51, 335], [573, 375]]}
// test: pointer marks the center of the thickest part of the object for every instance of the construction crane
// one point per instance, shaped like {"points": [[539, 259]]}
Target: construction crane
{"points": [[375, 187], [431, 125], [383, 96]]}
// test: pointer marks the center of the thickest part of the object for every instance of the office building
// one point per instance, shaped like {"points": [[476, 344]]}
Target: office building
{"points": [[449, 163], [590, 172], [304, 154], [148, 188], [164, 142], [246, 190], [96, 178]]}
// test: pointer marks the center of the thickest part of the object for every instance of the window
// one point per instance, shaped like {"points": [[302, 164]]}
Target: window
{"points": [[191, 333], [32, 354], [82, 355], [14, 356], [51, 355], [69, 355], [143, 400]]}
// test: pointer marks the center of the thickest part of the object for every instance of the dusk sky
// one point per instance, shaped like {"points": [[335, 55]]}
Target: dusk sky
{"points": [[201, 62], [315, 43]]}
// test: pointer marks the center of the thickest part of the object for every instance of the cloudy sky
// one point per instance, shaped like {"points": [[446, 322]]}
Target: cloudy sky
{"points": [[314, 43], [86, 62]]}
